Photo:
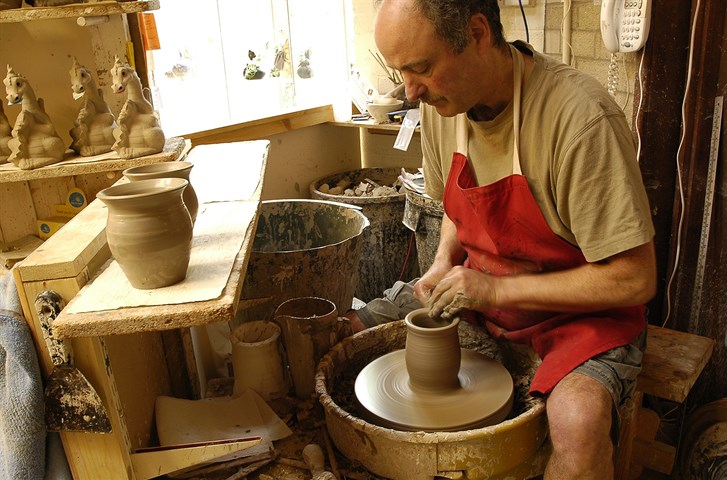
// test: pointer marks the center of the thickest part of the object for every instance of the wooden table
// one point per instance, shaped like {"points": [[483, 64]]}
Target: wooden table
{"points": [[130, 353]]}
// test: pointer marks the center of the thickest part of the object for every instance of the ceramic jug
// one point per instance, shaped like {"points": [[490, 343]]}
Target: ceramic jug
{"points": [[149, 230], [168, 170]]}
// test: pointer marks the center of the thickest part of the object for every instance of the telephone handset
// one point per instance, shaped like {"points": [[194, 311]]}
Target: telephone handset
{"points": [[625, 24]]}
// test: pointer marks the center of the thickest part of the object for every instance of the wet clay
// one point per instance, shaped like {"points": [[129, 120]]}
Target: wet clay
{"points": [[433, 384]]}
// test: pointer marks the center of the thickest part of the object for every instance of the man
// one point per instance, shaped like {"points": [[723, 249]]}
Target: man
{"points": [[547, 233]]}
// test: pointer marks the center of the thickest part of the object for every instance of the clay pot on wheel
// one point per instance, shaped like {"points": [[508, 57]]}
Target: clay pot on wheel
{"points": [[149, 231], [168, 170], [433, 355]]}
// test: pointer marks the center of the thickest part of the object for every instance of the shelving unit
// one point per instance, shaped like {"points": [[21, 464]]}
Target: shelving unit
{"points": [[77, 10], [39, 49], [132, 354]]}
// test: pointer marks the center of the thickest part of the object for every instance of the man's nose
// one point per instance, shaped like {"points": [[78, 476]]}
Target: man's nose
{"points": [[414, 89]]}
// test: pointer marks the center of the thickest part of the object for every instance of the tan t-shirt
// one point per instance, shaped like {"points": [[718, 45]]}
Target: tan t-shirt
{"points": [[576, 150]]}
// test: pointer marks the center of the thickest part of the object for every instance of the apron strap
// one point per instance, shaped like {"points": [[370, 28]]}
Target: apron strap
{"points": [[461, 135], [517, 73], [461, 123]]}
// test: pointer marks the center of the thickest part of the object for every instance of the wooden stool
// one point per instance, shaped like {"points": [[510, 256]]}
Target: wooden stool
{"points": [[672, 363]]}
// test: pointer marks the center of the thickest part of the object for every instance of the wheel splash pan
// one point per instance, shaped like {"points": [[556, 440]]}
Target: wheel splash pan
{"points": [[512, 449]]}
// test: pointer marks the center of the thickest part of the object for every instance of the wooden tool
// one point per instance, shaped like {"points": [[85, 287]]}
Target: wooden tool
{"points": [[314, 459], [71, 402]]}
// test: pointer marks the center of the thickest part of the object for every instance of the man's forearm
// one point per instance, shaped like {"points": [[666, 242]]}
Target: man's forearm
{"points": [[449, 251]]}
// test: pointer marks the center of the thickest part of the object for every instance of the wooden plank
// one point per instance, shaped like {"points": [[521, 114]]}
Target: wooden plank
{"points": [[17, 215], [77, 10], [258, 129], [132, 357], [657, 456], [68, 252], [76, 165], [159, 461], [672, 363], [12, 253]]}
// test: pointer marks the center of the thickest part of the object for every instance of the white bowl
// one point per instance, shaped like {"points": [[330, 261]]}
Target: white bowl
{"points": [[380, 110]]}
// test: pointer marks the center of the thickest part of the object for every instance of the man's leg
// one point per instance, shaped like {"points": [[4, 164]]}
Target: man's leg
{"points": [[394, 305], [583, 413], [579, 418]]}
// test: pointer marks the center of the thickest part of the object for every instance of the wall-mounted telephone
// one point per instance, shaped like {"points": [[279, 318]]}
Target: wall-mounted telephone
{"points": [[625, 24]]}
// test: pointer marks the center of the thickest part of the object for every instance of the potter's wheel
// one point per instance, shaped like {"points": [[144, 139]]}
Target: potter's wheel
{"points": [[484, 398]]}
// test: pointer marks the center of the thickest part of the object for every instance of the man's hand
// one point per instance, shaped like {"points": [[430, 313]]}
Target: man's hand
{"points": [[426, 284], [461, 288]]}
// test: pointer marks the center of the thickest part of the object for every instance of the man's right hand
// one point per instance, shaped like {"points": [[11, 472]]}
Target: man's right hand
{"points": [[423, 288]]}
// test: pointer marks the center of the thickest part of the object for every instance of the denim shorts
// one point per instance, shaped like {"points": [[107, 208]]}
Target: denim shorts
{"points": [[617, 369]]}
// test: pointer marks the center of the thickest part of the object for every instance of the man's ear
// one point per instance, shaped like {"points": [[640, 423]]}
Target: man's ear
{"points": [[479, 30]]}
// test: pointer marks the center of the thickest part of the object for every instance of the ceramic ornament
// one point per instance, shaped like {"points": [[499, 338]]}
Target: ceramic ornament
{"points": [[94, 126], [5, 136], [34, 141], [138, 132]]}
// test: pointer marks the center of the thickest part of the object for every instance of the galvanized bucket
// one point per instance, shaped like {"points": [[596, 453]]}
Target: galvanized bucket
{"points": [[303, 248]]}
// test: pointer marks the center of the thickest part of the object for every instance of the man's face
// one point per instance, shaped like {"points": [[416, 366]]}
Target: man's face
{"points": [[432, 72]]}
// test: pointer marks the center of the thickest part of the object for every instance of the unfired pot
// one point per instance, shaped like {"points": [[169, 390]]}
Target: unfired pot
{"points": [[180, 169], [512, 449], [149, 231]]}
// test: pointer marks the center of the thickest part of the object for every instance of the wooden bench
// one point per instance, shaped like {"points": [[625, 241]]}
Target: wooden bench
{"points": [[671, 365]]}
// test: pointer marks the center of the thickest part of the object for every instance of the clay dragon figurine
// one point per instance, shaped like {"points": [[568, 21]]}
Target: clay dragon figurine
{"points": [[94, 126], [34, 141], [138, 132]]}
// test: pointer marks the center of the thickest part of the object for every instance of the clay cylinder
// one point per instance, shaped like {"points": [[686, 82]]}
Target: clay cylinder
{"points": [[257, 360], [309, 331], [149, 231], [432, 353], [168, 170]]}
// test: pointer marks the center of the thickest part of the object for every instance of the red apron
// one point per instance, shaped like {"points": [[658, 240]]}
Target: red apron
{"points": [[504, 232]]}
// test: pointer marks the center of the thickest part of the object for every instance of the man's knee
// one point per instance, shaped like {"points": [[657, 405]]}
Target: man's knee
{"points": [[394, 305]]}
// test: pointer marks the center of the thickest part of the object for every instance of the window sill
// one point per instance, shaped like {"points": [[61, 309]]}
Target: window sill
{"points": [[264, 127]]}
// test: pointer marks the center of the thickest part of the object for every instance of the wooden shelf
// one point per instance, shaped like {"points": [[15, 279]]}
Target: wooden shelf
{"points": [[75, 165], [229, 195], [386, 128], [17, 15]]}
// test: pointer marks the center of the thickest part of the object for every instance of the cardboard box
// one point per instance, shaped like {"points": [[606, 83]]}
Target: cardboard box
{"points": [[48, 226], [75, 202]]}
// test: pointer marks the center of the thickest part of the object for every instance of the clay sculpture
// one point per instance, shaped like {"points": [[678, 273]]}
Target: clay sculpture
{"points": [[138, 132], [5, 136], [34, 141], [94, 126]]}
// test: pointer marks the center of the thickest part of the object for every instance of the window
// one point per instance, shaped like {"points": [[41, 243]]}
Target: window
{"points": [[224, 62]]}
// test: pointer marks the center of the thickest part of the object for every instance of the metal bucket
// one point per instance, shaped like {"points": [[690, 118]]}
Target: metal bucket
{"points": [[513, 449], [387, 252], [302, 248], [423, 216]]}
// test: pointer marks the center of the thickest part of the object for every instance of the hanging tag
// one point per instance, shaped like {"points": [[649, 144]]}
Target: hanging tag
{"points": [[408, 125]]}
